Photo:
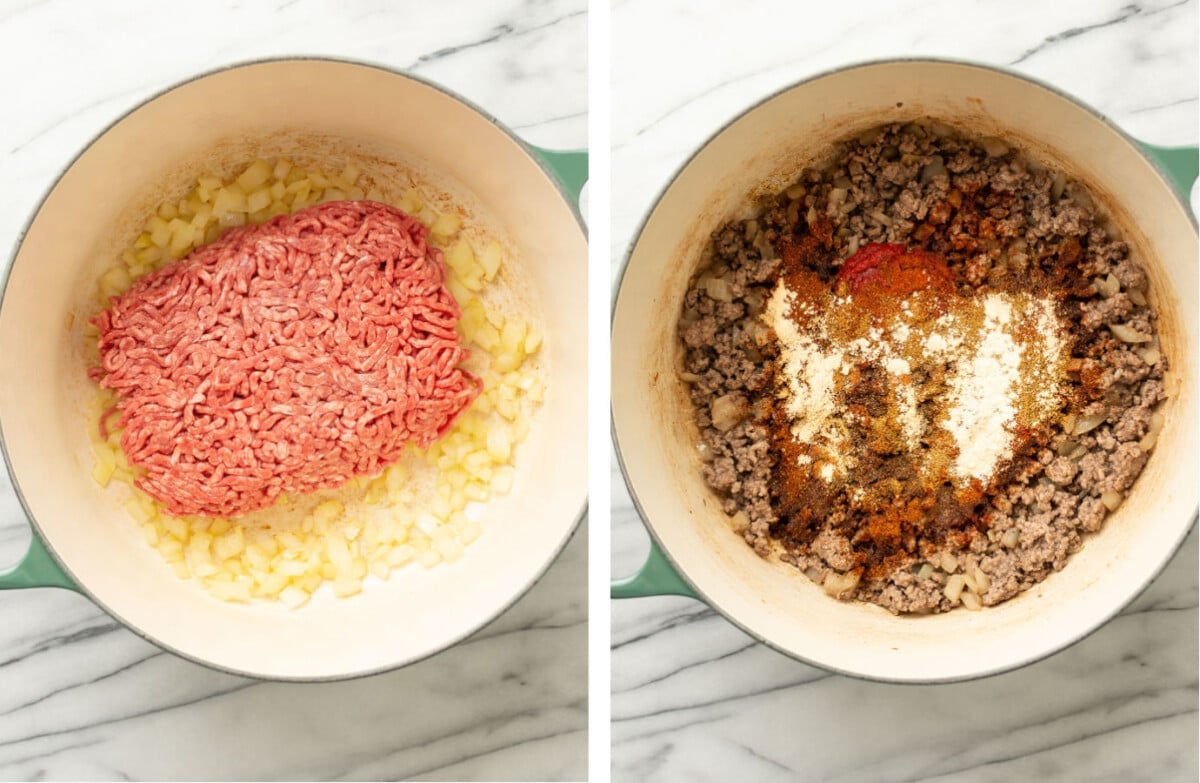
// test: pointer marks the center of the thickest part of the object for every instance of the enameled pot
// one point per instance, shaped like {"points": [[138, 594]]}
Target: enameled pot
{"points": [[319, 112], [695, 552]]}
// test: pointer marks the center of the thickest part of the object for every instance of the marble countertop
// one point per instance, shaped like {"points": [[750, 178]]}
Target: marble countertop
{"points": [[696, 699], [83, 698]]}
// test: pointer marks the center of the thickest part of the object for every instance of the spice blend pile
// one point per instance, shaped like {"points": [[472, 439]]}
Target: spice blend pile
{"points": [[924, 372]]}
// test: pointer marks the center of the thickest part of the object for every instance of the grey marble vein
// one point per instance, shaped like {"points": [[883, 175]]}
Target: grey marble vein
{"points": [[1123, 14], [694, 698], [504, 31]]}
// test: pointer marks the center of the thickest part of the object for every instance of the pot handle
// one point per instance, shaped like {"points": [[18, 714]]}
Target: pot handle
{"points": [[37, 569], [1180, 165], [570, 168], [656, 577]]}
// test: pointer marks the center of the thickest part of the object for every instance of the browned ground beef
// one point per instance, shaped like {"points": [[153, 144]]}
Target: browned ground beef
{"points": [[906, 185]]}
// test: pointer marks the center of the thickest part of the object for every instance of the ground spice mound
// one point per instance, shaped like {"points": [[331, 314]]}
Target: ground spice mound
{"points": [[904, 400], [284, 358]]}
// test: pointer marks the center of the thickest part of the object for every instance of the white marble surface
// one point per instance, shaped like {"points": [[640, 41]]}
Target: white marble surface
{"points": [[694, 698], [82, 698]]}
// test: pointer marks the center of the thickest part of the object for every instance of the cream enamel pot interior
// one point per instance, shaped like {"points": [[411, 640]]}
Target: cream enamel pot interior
{"points": [[318, 112], [656, 438]]}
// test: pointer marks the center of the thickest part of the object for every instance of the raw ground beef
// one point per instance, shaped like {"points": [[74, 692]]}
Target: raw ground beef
{"points": [[906, 184], [283, 358]]}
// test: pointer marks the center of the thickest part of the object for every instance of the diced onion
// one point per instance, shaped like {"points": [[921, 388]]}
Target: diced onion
{"points": [[1153, 430], [255, 174], [840, 585], [728, 411], [446, 225], [764, 246], [954, 587], [1108, 287], [1085, 424], [870, 136], [1058, 185], [1128, 334], [994, 147], [294, 597], [718, 288], [935, 168], [1150, 356], [1065, 448], [941, 130], [1111, 499], [105, 465], [755, 302], [1080, 196], [982, 581], [793, 211]]}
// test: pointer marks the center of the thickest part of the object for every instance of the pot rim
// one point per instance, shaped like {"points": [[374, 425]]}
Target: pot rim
{"points": [[656, 540], [6, 273]]}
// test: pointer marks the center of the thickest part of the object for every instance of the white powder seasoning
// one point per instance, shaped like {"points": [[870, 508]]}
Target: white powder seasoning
{"points": [[982, 405], [936, 345], [912, 424], [944, 338], [1053, 350], [911, 420], [808, 369], [1002, 356]]}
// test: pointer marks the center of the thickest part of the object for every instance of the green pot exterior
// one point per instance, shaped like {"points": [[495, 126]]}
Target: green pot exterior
{"points": [[570, 168], [656, 577], [1180, 165], [37, 569]]}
